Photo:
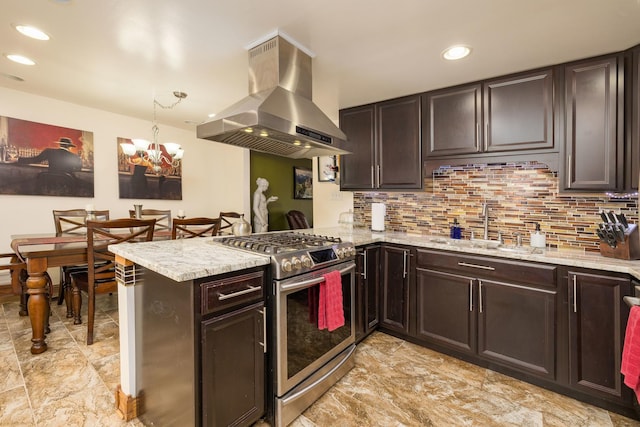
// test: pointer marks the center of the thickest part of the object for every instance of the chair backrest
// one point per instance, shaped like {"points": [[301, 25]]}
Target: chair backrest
{"points": [[16, 268], [297, 220], [74, 220], [162, 217], [225, 223], [187, 228], [101, 234]]}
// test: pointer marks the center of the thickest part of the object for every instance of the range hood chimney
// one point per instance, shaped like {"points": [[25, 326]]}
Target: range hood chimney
{"points": [[278, 117]]}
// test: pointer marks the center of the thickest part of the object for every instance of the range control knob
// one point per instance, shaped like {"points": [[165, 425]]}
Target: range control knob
{"points": [[286, 265], [340, 252], [352, 251], [296, 263], [306, 261]]}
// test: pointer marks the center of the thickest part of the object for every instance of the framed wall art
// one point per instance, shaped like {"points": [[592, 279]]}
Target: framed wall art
{"points": [[326, 168], [302, 183], [39, 159]]}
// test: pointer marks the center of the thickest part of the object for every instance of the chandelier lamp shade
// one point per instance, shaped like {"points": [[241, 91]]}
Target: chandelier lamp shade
{"points": [[158, 156]]}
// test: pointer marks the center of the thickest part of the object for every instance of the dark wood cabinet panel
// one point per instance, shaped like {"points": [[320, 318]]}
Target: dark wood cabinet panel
{"points": [[395, 283], [516, 326], [445, 310], [452, 119], [518, 112], [367, 290], [597, 318], [594, 105], [633, 142], [233, 368], [357, 168], [399, 155], [385, 141]]}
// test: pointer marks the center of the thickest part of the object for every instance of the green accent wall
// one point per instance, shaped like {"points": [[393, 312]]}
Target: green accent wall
{"points": [[279, 172]]}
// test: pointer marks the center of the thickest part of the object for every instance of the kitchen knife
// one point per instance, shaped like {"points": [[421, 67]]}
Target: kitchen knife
{"points": [[623, 220], [611, 236], [612, 217], [604, 216]]}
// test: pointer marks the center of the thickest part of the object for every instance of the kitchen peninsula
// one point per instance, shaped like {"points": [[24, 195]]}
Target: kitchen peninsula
{"points": [[573, 280]]}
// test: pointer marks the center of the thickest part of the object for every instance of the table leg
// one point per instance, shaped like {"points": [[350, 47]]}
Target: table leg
{"points": [[38, 303]]}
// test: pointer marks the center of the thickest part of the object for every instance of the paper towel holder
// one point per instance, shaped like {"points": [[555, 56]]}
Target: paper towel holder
{"points": [[378, 212]]}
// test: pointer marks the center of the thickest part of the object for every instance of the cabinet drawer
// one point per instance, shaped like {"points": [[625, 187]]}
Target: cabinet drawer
{"points": [[230, 292], [489, 267]]}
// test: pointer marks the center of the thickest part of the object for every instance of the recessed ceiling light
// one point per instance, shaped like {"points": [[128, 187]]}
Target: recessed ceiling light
{"points": [[211, 115], [20, 59], [33, 32], [456, 52]]}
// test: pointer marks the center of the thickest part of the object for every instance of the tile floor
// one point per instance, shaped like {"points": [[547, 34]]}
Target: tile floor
{"points": [[394, 383]]}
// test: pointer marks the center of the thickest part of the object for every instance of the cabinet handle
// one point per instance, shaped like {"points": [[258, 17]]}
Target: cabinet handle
{"points": [[486, 135], [575, 297], [482, 267], [378, 183], [480, 295], [264, 330], [569, 166], [373, 184], [478, 136], [470, 294], [222, 297], [364, 265], [404, 264]]}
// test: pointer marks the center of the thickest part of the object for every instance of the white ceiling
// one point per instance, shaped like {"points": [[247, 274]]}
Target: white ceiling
{"points": [[118, 55]]}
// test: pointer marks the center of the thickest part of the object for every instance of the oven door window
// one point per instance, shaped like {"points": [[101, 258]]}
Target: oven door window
{"points": [[305, 342]]}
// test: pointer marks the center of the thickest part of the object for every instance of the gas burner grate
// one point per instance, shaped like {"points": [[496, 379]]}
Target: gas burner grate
{"points": [[279, 242]]}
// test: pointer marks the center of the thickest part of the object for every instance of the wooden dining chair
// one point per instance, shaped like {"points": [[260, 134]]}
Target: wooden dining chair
{"points": [[226, 223], [72, 221], [187, 228], [162, 217], [100, 276]]}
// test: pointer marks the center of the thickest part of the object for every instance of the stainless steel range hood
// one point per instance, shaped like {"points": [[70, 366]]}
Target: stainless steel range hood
{"points": [[278, 116]]}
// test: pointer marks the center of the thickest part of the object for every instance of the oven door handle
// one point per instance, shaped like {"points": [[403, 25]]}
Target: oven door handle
{"points": [[307, 283]]}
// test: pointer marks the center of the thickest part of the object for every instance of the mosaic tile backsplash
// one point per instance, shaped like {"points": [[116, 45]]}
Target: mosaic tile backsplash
{"points": [[518, 195]]}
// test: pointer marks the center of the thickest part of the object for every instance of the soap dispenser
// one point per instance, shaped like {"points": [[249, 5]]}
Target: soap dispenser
{"points": [[538, 239], [455, 230]]}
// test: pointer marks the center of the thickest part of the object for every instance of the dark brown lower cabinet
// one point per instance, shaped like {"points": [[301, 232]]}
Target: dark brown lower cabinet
{"points": [[233, 368], [397, 274], [367, 290], [597, 320], [505, 323]]}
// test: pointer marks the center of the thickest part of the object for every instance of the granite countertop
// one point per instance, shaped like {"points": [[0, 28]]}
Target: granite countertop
{"points": [[567, 257], [189, 259]]}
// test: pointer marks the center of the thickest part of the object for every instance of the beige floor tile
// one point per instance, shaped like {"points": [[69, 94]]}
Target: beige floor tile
{"points": [[16, 411]]}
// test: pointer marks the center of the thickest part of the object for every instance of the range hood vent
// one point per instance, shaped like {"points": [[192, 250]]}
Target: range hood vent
{"points": [[278, 117]]}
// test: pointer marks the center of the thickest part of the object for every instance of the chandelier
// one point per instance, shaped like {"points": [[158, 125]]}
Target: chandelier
{"points": [[157, 156]]}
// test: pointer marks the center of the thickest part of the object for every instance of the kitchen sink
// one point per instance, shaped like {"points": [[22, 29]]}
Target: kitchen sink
{"points": [[486, 244]]}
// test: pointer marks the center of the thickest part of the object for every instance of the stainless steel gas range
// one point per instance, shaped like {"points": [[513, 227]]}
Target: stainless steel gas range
{"points": [[307, 360]]}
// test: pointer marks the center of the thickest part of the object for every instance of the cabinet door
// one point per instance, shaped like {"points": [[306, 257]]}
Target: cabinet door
{"points": [[452, 119], [634, 143], [593, 132], [516, 327], [597, 320], [367, 291], [446, 309], [518, 112], [356, 169], [395, 289], [399, 151], [233, 368]]}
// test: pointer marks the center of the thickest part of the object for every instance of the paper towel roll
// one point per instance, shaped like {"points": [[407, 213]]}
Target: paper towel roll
{"points": [[378, 211]]}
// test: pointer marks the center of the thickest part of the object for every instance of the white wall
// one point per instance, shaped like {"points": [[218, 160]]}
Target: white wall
{"points": [[328, 201], [215, 177]]}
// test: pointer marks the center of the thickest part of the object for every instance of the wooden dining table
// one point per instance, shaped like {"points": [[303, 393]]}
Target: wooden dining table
{"points": [[41, 252]]}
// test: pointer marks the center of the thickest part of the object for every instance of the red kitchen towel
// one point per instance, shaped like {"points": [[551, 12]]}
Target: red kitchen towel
{"points": [[330, 311], [631, 351]]}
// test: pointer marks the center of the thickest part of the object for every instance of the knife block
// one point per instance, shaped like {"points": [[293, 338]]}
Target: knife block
{"points": [[629, 249]]}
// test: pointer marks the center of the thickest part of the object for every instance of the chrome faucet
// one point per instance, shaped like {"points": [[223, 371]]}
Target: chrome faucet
{"points": [[485, 215]]}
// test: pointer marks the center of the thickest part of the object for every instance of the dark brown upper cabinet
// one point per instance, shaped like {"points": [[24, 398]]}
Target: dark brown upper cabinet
{"points": [[386, 146], [594, 119], [506, 114], [633, 128]]}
